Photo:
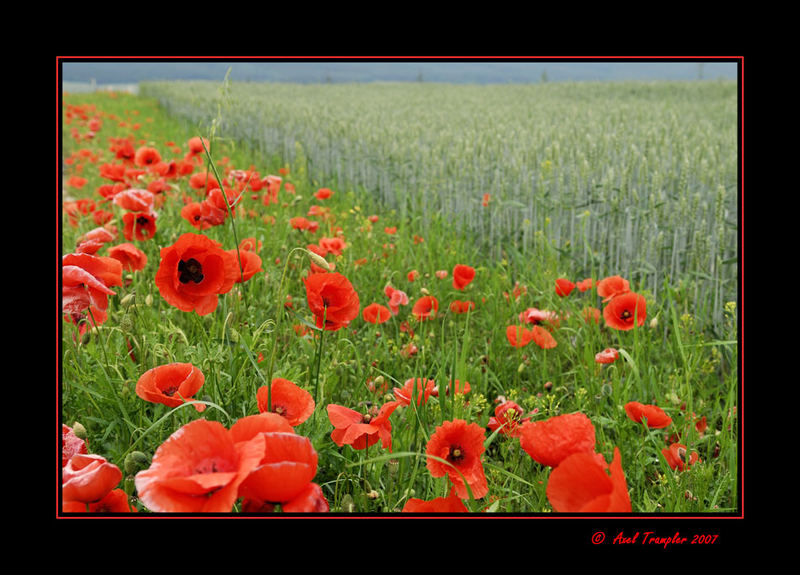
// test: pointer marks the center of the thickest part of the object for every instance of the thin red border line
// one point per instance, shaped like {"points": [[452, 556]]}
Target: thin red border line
{"points": [[740, 114]]}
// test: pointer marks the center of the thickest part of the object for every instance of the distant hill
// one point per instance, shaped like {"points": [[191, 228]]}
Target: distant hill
{"points": [[482, 72]]}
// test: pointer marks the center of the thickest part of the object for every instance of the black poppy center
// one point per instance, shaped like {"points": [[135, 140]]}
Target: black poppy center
{"points": [[190, 271], [625, 314], [170, 391], [456, 453], [142, 221]]}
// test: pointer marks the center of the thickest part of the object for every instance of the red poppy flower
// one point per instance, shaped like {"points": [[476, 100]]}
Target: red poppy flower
{"points": [[543, 338], [622, 310], [585, 285], [508, 419], [287, 399], [551, 441], [608, 355], [113, 172], [582, 484], [309, 500], [612, 286], [85, 281], [199, 468], [462, 276], [519, 336], [678, 457], [172, 384], [404, 394], [486, 199], [131, 257], [425, 308], [331, 296], [651, 415], [107, 270], [376, 313], [396, 298], [77, 182], [458, 306], [300, 223], [412, 275], [201, 180], [146, 156], [246, 428], [115, 502], [461, 445], [135, 200], [139, 226], [196, 145], [193, 213], [390, 230], [71, 444], [250, 265], [323, 194], [193, 272], [449, 504], [361, 430], [334, 246], [441, 274], [288, 464], [564, 287], [92, 241], [535, 316], [88, 478]]}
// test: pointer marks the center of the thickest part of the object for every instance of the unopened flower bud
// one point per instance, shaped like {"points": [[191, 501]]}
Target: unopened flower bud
{"points": [[127, 300], [126, 323], [372, 494], [521, 367], [348, 506], [135, 461], [319, 260], [654, 322], [79, 430], [129, 485], [148, 300]]}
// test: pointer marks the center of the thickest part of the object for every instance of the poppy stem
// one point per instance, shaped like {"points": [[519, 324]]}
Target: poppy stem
{"points": [[278, 317], [230, 215], [319, 362]]}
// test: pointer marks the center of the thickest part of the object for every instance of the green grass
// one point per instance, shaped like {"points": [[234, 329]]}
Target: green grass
{"points": [[678, 362]]}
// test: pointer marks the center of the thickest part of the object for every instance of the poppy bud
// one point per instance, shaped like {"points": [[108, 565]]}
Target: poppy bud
{"points": [[127, 300], [521, 367], [129, 485], [654, 323], [135, 461], [79, 430], [319, 260], [348, 506], [148, 300], [424, 291], [233, 334], [372, 494], [393, 466]]}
